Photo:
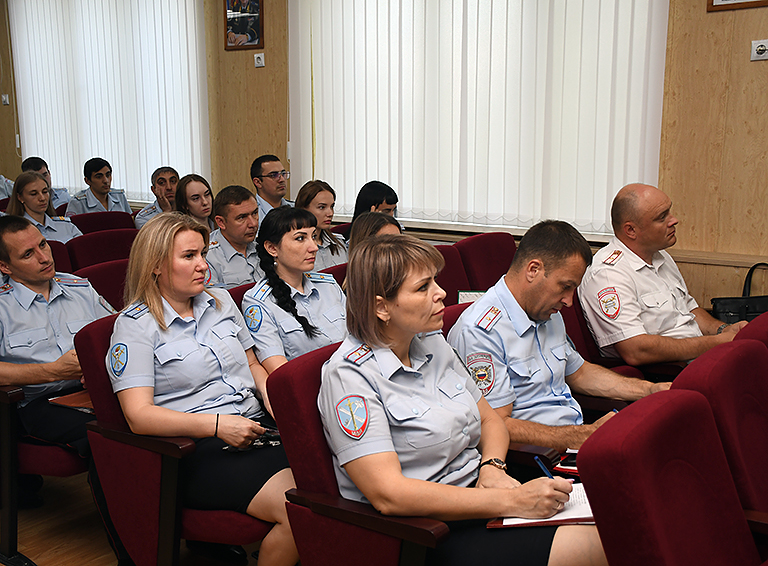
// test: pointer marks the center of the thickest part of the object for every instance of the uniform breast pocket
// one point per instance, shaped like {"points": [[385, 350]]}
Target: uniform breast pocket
{"points": [[290, 325], [412, 415], [74, 326], [660, 314], [226, 331], [654, 300], [27, 338], [525, 368], [175, 357], [335, 314]]}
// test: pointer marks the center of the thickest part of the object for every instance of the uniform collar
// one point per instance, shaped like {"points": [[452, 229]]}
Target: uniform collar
{"points": [[265, 207], [309, 288], [45, 224], [228, 249], [200, 303], [26, 296], [519, 318], [390, 364], [634, 260]]}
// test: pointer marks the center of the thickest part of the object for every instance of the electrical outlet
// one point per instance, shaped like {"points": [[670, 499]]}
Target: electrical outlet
{"points": [[759, 50], [6, 99], [258, 60]]}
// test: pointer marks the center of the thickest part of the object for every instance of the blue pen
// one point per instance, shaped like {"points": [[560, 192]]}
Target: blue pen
{"points": [[543, 467]]}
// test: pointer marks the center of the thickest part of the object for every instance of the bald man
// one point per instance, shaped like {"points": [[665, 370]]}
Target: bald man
{"points": [[633, 295]]}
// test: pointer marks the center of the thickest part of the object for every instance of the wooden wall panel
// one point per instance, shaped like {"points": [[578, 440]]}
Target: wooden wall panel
{"points": [[10, 161], [247, 107]]}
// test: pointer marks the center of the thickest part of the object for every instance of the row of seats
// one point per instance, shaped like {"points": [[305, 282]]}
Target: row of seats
{"points": [[90, 249]]}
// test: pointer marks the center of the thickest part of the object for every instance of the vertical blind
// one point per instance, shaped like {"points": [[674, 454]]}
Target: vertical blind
{"points": [[484, 112], [120, 79]]}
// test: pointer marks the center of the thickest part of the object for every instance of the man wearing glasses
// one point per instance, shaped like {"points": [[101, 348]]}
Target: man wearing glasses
{"points": [[270, 179]]}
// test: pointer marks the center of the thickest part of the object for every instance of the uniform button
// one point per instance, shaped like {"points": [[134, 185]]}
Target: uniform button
{"points": [[465, 430], [440, 404], [178, 354], [29, 340], [415, 411], [459, 386]]}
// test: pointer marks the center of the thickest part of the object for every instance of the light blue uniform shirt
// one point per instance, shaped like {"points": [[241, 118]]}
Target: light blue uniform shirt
{"points": [[325, 258], [6, 187], [58, 228], [278, 333], [146, 214], [265, 207], [515, 360], [371, 403], [197, 365], [85, 202], [227, 267], [34, 331], [59, 196]]}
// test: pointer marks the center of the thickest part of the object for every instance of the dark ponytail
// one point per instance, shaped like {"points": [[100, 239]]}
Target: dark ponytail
{"points": [[277, 223]]}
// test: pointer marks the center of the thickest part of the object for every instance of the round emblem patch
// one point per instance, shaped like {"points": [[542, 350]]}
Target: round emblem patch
{"points": [[352, 412], [208, 276], [253, 318], [118, 359], [609, 302], [481, 367]]}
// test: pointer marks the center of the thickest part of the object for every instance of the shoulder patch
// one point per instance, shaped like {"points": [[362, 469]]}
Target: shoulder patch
{"points": [[480, 366], [489, 318], [262, 292], [359, 355], [316, 276], [613, 258], [72, 281], [610, 305], [352, 414], [79, 196], [137, 310], [6, 288], [61, 219], [118, 359], [253, 317]]}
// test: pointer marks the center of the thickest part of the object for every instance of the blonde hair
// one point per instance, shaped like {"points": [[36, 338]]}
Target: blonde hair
{"points": [[379, 266], [152, 248], [15, 206]]}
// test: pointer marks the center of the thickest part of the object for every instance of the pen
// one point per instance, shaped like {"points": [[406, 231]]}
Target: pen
{"points": [[615, 410], [543, 467]]}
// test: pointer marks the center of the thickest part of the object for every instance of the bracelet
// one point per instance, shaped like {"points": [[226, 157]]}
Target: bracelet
{"points": [[216, 430], [722, 327]]}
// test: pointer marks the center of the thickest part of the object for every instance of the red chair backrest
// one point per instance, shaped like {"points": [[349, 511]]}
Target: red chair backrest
{"points": [[4, 203], [62, 208], [660, 488], [339, 272], [293, 389], [60, 256], [342, 229], [451, 315], [240, 291], [757, 329], [98, 247], [486, 257], [92, 345], [578, 331], [108, 279], [734, 379], [98, 221], [453, 277]]}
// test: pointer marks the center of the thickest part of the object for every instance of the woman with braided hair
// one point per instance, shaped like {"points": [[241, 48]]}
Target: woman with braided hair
{"points": [[293, 310]]}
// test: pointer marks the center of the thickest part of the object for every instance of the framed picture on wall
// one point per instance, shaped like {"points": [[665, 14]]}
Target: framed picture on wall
{"points": [[245, 24], [717, 5]]}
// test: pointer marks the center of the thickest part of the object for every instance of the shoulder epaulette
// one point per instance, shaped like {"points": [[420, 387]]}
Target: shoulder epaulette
{"points": [[61, 218], [72, 281], [316, 277], [80, 196], [117, 191], [359, 354], [137, 310], [262, 292], [613, 258], [489, 318], [6, 289], [213, 244]]}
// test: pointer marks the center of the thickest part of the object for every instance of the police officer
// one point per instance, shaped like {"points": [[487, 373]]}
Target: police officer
{"points": [[293, 310], [232, 256], [164, 181], [59, 195], [99, 196]]}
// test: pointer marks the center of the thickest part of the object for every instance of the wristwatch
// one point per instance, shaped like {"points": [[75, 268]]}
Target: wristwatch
{"points": [[496, 463]]}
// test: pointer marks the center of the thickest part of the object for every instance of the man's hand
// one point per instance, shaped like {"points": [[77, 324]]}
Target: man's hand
{"points": [[67, 367], [162, 201]]}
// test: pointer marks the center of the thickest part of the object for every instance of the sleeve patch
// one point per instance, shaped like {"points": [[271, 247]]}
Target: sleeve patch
{"points": [[352, 414], [208, 276], [609, 302], [480, 366], [489, 318], [253, 318], [359, 355], [118, 359]]}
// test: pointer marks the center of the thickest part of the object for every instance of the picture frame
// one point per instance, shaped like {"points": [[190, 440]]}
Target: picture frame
{"points": [[718, 5], [244, 24]]}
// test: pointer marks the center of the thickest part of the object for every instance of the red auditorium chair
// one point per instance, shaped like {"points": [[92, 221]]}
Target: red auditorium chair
{"points": [[342, 229], [239, 292], [98, 247], [453, 277], [24, 456], [329, 529], [757, 329], [108, 279], [660, 488], [339, 272], [734, 379], [486, 257], [62, 209], [99, 221], [451, 315], [139, 474], [60, 256], [4, 203]]}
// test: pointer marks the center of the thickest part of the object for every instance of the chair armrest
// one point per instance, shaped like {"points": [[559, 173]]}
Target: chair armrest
{"points": [[10, 394], [522, 455], [419, 530], [173, 446], [757, 521]]}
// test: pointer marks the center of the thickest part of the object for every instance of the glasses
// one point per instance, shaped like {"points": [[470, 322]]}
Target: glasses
{"points": [[275, 175]]}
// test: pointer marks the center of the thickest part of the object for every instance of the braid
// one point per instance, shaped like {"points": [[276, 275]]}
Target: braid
{"points": [[282, 292]]}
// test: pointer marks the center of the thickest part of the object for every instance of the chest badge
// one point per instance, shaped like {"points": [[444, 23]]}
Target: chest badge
{"points": [[352, 412], [253, 318], [118, 359], [480, 366], [609, 302]]}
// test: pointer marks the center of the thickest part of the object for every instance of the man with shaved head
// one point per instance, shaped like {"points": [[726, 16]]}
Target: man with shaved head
{"points": [[633, 294]]}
